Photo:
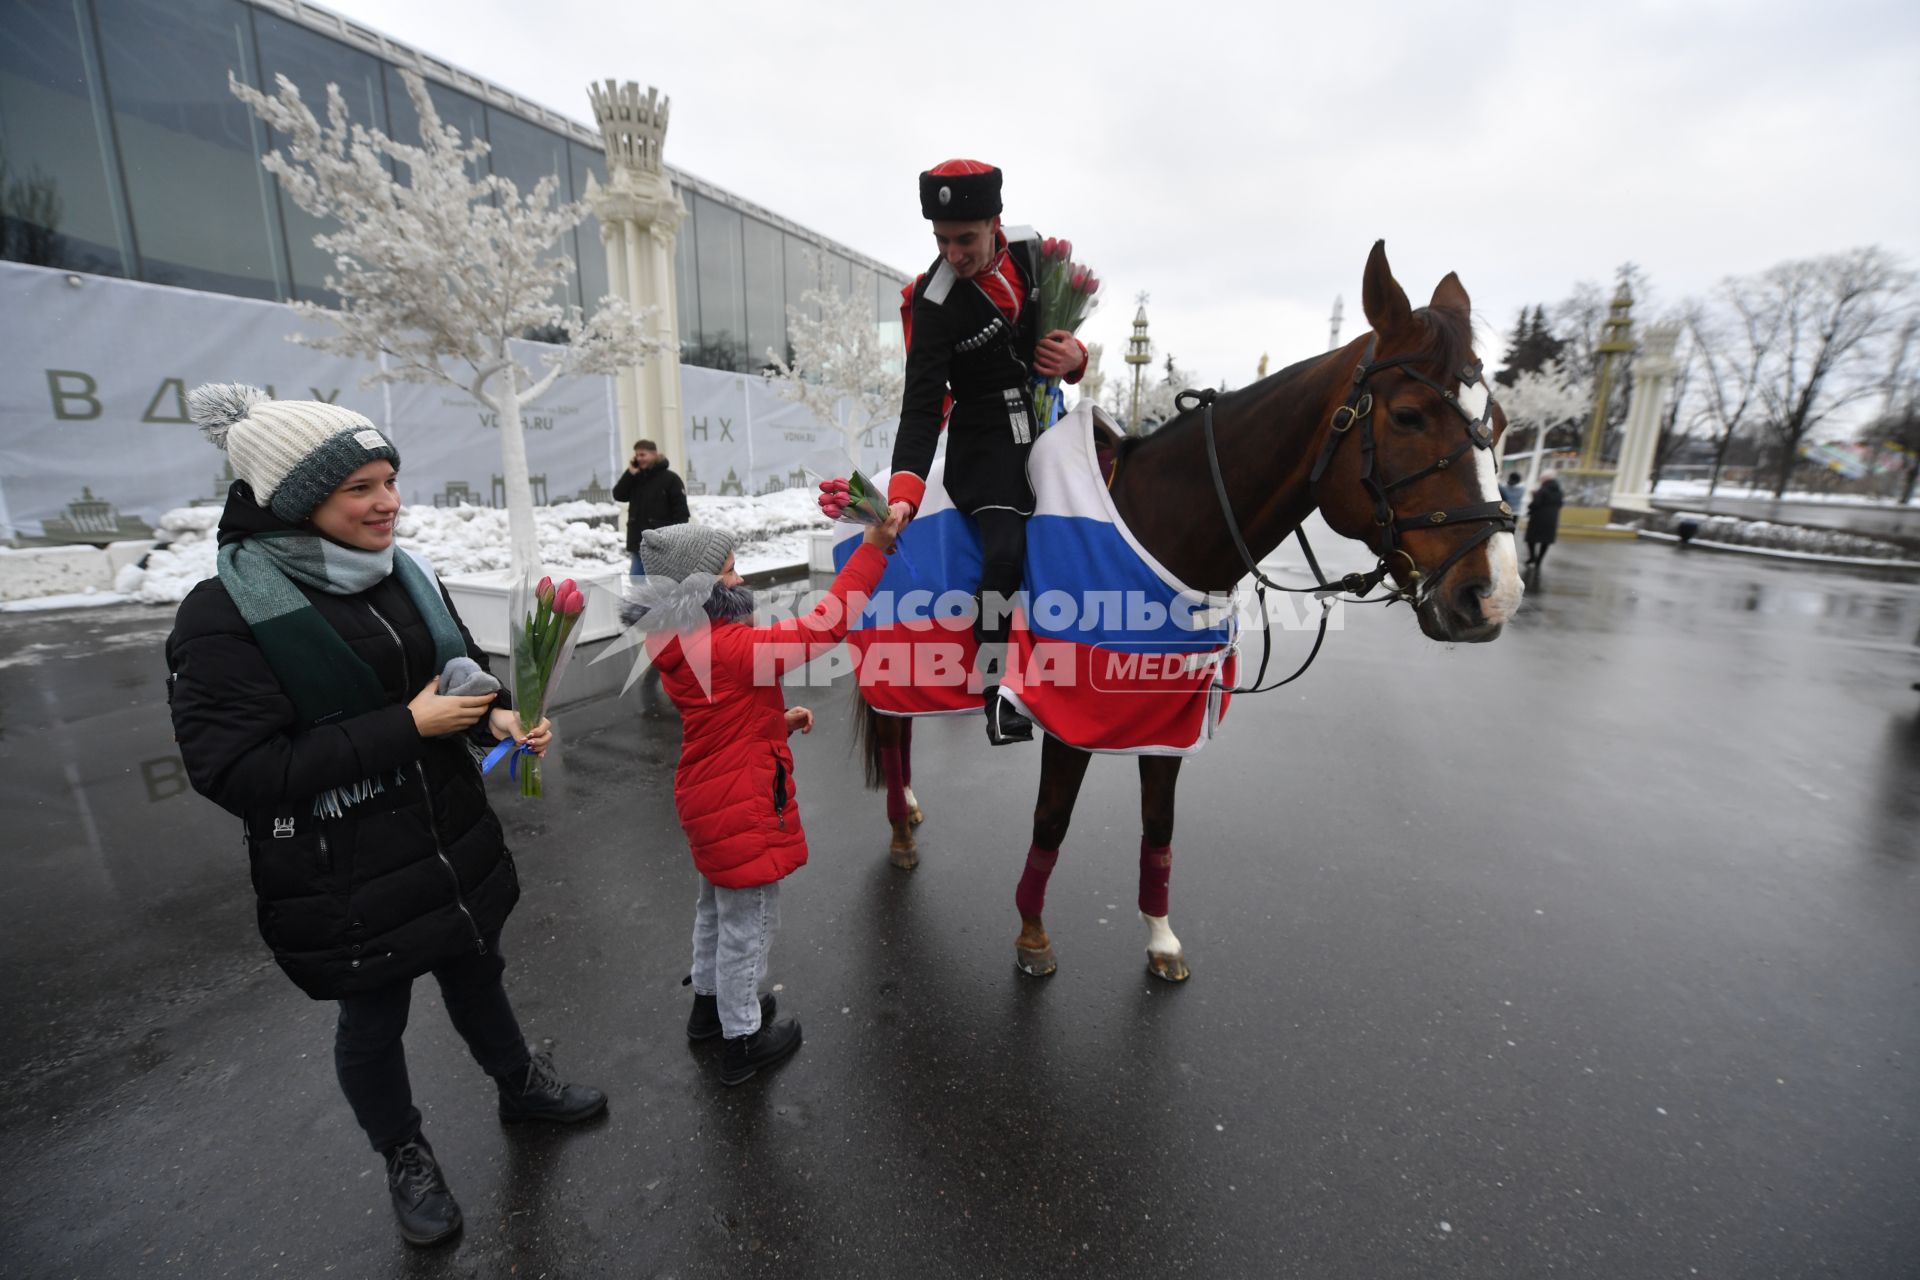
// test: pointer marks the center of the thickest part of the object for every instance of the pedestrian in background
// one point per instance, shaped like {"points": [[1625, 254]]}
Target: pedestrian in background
{"points": [[734, 788], [655, 497], [1543, 519], [1513, 492], [325, 692]]}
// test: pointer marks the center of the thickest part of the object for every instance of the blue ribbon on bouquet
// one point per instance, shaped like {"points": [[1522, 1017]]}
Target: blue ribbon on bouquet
{"points": [[510, 751], [1056, 401]]}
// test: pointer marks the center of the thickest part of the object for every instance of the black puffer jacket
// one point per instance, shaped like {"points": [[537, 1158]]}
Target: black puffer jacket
{"points": [[655, 498], [400, 882]]}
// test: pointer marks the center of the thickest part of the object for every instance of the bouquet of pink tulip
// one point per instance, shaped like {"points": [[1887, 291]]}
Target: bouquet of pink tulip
{"points": [[854, 500], [1067, 290], [542, 645]]}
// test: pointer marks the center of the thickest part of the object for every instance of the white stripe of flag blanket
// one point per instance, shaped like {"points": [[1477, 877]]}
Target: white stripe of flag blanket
{"points": [[1109, 653]]}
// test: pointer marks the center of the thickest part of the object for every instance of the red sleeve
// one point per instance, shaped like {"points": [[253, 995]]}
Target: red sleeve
{"points": [[1074, 377], [803, 639]]}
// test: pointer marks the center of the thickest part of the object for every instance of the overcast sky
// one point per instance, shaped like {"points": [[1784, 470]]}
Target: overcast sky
{"points": [[1237, 161]]}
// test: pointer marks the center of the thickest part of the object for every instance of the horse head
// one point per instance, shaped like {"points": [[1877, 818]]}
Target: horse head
{"points": [[1418, 483]]}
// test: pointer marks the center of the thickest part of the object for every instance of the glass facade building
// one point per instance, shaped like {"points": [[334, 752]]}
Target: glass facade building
{"points": [[124, 153]]}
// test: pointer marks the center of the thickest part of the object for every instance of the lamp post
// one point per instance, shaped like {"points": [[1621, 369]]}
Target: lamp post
{"points": [[1139, 355]]}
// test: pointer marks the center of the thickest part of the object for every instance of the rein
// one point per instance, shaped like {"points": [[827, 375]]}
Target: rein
{"points": [[1498, 517]]}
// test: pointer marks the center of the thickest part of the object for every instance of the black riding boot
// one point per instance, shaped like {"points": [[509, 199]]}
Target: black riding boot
{"points": [[1004, 723], [421, 1202]]}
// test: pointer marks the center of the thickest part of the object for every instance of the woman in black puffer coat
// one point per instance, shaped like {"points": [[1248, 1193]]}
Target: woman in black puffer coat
{"points": [[303, 692]]}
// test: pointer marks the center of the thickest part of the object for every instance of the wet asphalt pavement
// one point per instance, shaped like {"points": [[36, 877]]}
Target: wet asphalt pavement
{"points": [[1592, 952]]}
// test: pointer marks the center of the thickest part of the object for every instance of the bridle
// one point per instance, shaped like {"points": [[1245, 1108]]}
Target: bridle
{"points": [[1358, 411]]}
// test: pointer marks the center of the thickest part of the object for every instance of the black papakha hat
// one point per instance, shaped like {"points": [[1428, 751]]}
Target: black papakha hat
{"points": [[960, 191]]}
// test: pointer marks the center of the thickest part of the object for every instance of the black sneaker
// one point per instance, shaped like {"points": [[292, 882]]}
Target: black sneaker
{"points": [[771, 1045], [1004, 723], [704, 1022], [421, 1202], [538, 1094]]}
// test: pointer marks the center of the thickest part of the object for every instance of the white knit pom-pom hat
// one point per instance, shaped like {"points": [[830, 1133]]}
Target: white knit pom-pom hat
{"points": [[291, 453]]}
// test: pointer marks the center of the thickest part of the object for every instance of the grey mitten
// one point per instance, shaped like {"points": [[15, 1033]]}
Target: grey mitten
{"points": [[464, 678]]}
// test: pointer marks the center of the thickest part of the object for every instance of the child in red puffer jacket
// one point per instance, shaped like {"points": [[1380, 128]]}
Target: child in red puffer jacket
{"points": [[734, 788]]}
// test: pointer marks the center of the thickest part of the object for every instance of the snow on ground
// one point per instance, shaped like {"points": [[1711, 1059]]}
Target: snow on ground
{"points": [[575, 537], [1698, 489]]}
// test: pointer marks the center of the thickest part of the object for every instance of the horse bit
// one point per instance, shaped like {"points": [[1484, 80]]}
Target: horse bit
{"points": [[1497, 517]]}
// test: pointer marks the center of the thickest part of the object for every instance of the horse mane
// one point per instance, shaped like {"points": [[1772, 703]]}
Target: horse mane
{"points": [[1448, 347], [1449, 340]]}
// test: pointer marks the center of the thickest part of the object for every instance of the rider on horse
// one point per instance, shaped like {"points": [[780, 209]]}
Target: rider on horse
{"points": [[973, 343]]}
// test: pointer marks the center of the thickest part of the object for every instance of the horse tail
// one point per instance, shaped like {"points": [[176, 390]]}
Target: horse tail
{"points": [[866, 740]]}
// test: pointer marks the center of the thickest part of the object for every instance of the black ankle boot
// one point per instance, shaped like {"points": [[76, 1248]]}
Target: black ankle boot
{"points": [[1004, 724], [538, 1094], [704, 1022], [771, 1045], [421, 1202]]}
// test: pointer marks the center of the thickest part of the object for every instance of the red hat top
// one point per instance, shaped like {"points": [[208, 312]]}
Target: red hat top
{"points": [[960, 191]]}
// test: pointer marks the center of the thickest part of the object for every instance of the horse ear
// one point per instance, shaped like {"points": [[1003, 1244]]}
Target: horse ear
{"points": [[1451, 295], [1384, 301]]}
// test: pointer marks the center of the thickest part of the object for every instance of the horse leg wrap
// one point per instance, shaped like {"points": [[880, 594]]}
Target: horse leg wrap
{"points": [[1031, 896], [890, 767], [1156, 870], [906, 752]]}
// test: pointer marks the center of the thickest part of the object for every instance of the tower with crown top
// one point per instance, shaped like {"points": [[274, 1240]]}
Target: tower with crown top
{"points": [[640, 219]]}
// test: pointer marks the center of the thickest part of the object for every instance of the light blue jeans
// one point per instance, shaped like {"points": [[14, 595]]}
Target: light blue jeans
{"points": [[732, 932]]}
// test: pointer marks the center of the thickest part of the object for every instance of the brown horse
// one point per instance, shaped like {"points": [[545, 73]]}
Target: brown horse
{"points": [[1408, 486]]}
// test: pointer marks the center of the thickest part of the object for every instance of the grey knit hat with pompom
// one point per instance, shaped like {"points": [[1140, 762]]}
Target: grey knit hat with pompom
{"points": [[679, 550], [292, 453]]}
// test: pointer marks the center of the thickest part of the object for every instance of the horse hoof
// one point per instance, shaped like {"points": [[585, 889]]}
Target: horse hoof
{"points": [[916, 815], [903, 855], [1035, 964], [1171, 968]]}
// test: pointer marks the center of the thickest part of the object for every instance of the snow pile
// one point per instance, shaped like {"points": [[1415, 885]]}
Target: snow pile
{"points": [[575, 538], [1767, 535], [770, 532]]}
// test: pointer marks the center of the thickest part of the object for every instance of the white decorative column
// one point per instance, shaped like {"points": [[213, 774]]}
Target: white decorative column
{"points": [[639, 219], [1653, 371]]}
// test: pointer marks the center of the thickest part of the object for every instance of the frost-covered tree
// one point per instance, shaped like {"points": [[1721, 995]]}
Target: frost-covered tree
{"points": [[840, 368], [1541, 401], [440, 266]]}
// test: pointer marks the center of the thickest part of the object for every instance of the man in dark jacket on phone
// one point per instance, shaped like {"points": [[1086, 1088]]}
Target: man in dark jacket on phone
{"points": [[655, 497]]}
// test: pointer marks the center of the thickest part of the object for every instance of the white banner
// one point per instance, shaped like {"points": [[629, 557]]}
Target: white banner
{"points": [[745, 438], [95, 443]]}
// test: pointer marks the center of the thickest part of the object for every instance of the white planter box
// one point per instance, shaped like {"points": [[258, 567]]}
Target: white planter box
{"points": [[820, 551], [482, 599]]}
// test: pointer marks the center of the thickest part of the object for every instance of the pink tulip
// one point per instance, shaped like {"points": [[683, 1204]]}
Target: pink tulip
{"points": [[567, 584], [1066, 248], [569, 603], [544, 591], [1048, 248], [1093, 284], [1078, 280]]}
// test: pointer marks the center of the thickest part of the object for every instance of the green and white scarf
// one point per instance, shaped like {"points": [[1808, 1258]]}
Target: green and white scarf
{"points": [[322, 675]]}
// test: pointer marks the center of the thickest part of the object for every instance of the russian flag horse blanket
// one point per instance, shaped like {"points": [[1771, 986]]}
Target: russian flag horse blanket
{"points": [[1109, 651]]}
